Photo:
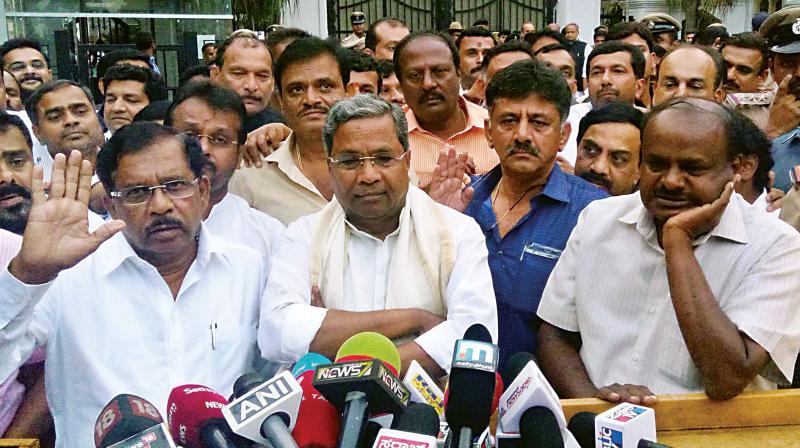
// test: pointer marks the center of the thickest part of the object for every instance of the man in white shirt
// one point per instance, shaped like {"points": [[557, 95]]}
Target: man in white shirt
{"points": [[215, 116], [614, 72], [682, 287], [382, 256], [162, 303]]}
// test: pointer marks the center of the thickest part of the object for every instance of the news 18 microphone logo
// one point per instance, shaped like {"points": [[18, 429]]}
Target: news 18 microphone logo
{"points": [[260, 398], [475, 355], [610, 438]]}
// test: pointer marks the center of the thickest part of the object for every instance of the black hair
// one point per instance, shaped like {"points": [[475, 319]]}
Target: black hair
{"points": [[719, 62], [615, 112], [624, 29], [750, 41], [362, 63], [659, 50], [600, 33], [742, 136], [249, 40], [282, 35], [615, 46], [530, 77], [385, 68], [708, 35], [113, 57], [554, 47], [21, 42], [133, 138], [218, 98], [504, 33], [154, 89], [401, 46], [155, 111], [32, 102], [474, 31], [7, 121], [506, 47], [206, 45], [307, 48], [371, 38], [198, 70], [481, 21], [531, 38], [144, 41]]}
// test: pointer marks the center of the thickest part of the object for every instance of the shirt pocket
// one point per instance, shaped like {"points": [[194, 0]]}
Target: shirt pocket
{"points": [[540, 250]]}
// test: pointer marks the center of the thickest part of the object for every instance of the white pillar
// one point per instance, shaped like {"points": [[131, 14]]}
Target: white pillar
{"points": [[586, 13], [309, 15]]}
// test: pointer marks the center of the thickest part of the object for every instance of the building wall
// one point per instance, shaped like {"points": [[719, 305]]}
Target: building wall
{"points": [[586, 13], [310, 15]]}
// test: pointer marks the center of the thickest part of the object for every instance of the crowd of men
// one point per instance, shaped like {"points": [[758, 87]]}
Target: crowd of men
{"points": [[626, 209]]}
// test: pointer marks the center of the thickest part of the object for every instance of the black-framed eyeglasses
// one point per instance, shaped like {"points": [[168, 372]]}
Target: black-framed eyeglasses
{"points": [[350, 162], [140, 194], [217, 141]]}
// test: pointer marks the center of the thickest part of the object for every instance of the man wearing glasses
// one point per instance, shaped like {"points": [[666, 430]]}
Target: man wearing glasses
{"points": [[160, 304], [215, 116], [381, 256]]}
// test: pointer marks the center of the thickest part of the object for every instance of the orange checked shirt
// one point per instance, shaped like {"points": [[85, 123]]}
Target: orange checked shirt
{"points": [[425, 146]]}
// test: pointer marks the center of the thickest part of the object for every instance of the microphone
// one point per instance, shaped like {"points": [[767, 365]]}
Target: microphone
{"points": [[392, 438], [423, 388], [472, 384], [127, 420], [195, 417], [623, 425], [318, 422], [266, 412], [419, 418], [362, 381], [538, 427], [527, 390]]}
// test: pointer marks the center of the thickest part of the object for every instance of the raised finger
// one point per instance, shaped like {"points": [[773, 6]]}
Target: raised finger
{"points": [[85, 182], [57, 176], [37, 186], [73, 174]]}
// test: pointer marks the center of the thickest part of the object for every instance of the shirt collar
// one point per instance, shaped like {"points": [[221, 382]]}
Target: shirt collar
{"points": [[284, 157], [731, 225], [789, 136], [473, 112], [117, 250], [557, 186]]}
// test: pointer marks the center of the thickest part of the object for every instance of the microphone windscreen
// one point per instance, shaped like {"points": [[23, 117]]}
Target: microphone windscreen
{"points": [[371, 345], [478, 332], [189, 408], [514, 366], [539, 427], [369, 434], [307, 362], [419, 418], [244, 383], [318, 421], [581, 425], [124, 416]]}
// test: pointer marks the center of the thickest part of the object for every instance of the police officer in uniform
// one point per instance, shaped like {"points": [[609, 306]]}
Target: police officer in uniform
{"points": [[664, 27], [356, 40]]}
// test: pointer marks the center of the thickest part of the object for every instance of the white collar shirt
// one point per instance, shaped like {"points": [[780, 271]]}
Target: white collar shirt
{"points": [[110, 326], [234, 220], [623, 309], [289, 323], [761, 205]]}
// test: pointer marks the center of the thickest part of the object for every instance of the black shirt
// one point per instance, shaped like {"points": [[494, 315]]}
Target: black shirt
{"points": [[266, 116]]}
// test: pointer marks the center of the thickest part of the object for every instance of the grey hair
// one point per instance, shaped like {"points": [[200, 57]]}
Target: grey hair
{"points": [[363, 106]]}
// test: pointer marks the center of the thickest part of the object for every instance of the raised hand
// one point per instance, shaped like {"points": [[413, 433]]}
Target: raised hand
{"points": [[57, 234], [699, 220], [784, 113], [447, 185], [262, 142]]}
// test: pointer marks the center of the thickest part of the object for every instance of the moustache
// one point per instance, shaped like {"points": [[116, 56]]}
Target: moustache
{"points": [[597, 179], [312, 109], [256, 98], [431, 96], [14, 190], [526, 148], [670, 195], [30, 77], [608, 90], [162, 221]]}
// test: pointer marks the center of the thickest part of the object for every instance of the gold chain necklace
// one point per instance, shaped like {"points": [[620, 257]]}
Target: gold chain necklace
{"points": [[299, 159]]}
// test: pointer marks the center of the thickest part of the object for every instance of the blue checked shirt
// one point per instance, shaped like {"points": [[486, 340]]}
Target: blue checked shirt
{"points": [[522, 260]]}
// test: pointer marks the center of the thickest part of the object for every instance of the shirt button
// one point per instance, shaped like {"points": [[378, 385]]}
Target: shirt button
{"points": [[635, 357], [499, 252], [652, 310]]}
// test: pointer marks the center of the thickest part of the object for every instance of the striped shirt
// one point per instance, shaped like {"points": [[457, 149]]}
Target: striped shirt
{"points": [[11, 391], [425, 146], [610, 284]]}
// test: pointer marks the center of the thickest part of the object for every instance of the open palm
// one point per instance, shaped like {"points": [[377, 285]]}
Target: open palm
{"points": [[57, 233]]}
